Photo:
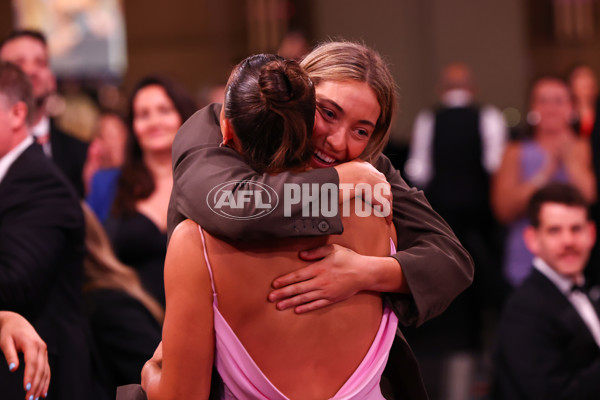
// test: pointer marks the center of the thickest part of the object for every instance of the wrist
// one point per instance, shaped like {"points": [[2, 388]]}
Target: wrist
{"points": [[385, 275], [4, 315], [348, 172]]}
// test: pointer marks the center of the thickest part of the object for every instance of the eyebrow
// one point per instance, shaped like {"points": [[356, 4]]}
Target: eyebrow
{"points": [[341, 110]]}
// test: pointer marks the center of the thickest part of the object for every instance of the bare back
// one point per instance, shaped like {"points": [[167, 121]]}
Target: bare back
{"points": [[308, 355]]}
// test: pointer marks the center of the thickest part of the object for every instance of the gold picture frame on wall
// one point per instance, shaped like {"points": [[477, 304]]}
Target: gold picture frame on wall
{"points": [[86, 38]]}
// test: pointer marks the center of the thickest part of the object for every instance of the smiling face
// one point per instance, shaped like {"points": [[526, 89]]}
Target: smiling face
{"points": [[552, 101], [32, 56], [563, 239], [155, 119], [347, 112]]}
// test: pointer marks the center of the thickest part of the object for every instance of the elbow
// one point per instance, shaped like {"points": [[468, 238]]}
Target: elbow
{"points": [[154, 391], [505, 210], [466, 266]]}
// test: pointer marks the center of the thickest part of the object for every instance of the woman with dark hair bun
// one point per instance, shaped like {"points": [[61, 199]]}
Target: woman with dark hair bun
{"points": [[216, 288], [273, 123]]}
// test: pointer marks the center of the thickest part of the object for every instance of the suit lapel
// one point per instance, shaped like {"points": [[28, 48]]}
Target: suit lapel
{"points": [[577, 335]]}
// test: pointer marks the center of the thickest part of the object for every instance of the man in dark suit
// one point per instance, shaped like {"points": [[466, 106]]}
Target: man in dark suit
{"points": [[41, 247], [549, 333], [28, 50]]}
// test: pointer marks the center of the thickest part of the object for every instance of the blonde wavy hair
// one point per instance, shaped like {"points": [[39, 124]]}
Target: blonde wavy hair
{"points": [[342, 60], [104, 271]]}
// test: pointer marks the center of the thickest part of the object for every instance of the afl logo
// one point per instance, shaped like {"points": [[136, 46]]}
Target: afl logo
{"points": [[242, 200]]}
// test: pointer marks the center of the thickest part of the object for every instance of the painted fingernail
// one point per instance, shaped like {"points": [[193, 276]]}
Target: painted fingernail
{"points": [[30, 397], [45, 394], [11, 366], [27, 387]]}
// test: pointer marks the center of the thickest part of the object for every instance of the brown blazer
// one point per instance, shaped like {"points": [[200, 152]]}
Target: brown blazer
{"points": [[434, 263]]}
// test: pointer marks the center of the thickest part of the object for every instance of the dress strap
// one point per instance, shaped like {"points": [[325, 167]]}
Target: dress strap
{"points": [[210, 272]]}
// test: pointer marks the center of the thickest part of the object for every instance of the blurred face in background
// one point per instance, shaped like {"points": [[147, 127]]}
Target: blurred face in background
{"points": [[155, 119], [32, 56], [584, 85], [111, 138], [551, 102]]}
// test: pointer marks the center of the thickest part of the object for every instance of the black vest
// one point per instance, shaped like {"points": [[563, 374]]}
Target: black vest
{"points": [[459, 182]]}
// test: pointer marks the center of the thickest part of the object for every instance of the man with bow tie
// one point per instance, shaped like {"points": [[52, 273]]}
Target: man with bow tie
{"points": [[549, 334]]}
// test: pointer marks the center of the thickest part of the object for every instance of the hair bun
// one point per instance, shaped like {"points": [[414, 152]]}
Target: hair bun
{"points": [[282, 81]]}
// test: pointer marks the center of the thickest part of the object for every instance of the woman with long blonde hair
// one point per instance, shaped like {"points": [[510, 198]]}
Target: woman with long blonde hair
{"points": [[125, 319]]}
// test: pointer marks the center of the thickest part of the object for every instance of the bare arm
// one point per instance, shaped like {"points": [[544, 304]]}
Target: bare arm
{"points": [[577, 159], [510, 193], [188, 335]]}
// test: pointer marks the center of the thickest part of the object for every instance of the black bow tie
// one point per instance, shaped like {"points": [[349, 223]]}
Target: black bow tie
{"points": [[579, 288]]}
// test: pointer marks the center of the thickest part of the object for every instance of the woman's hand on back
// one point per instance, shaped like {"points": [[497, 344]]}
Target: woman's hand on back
{"points": [[337, 274], [333, 278]]}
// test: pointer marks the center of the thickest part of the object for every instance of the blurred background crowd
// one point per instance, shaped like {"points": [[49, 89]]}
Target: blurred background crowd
{"points": [[497, 99]]}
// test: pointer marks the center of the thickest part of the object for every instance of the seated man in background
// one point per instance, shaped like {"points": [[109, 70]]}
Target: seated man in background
{"points": [[549, 334], [28, 49], [41, 248]]}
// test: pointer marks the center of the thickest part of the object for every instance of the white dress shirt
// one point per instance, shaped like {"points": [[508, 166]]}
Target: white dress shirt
{"points": [[494, 135], [41, 133], [9, 158], [580, 301]]}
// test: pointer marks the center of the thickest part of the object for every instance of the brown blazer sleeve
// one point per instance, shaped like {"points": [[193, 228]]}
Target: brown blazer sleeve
{"points": [[199, 165], [434, 263]]}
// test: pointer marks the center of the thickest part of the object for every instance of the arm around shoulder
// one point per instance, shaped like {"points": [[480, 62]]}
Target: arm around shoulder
{"points": [[201, 168]]}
